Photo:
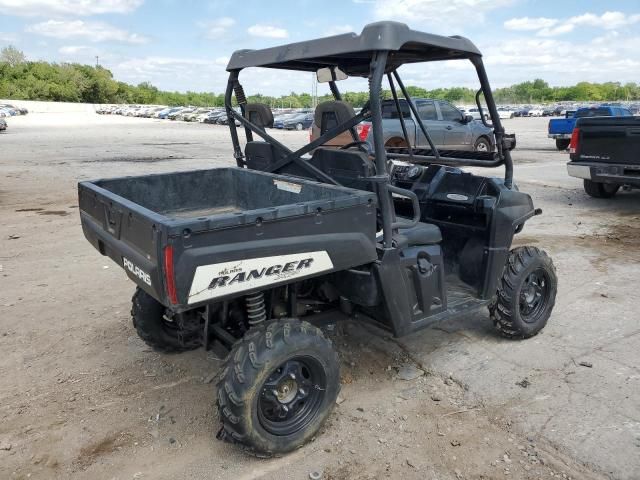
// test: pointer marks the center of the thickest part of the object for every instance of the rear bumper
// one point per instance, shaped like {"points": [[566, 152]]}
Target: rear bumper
{"points": [[565, 136], [605, 173]]}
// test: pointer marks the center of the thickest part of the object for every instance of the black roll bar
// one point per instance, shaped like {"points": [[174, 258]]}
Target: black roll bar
{"points": [[498, 129], [400, 116], [415, 114]]}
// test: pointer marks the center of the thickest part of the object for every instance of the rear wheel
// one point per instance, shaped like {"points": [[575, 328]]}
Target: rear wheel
{"points": [[277, 387], [526, 293], [299, 126], [156, 328], [562, 143], [600, 190]]}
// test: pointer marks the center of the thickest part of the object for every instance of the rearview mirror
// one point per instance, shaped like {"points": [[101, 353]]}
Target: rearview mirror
{"points": [[467, 119], [330, 74]]}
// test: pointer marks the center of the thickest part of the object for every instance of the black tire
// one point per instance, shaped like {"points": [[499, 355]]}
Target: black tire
{"points": [[523, 305], [562, 143], [600, 190], [265, 355], [148, 320], [482, 145]]}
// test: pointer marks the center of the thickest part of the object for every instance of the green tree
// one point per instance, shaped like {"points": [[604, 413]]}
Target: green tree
{"points": [[12, 56]]}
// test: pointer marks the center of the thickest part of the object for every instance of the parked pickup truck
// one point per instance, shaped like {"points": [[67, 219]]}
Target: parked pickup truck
{"points": [[447, 126], [560, 129], [605, 153]]}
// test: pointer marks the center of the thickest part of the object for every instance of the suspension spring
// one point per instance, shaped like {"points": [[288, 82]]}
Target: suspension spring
{"points": [[256, 310], [239, 91]]}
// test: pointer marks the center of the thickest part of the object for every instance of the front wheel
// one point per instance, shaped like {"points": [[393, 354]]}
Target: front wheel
{"points": [[299, 126], [562, 143], [277, 387], [600, 190], [482, 145], [526, 293]]}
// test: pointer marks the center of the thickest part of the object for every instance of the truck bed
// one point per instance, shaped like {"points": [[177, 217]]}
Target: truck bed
{"points": [[189, 228]]}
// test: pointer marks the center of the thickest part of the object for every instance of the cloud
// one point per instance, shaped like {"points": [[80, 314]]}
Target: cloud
{"points": [[267, 31], [92, 31], [551, 27], [74, 49], [30, 8], [435, 12], [8, 37], [526, 23], [217, 28]]}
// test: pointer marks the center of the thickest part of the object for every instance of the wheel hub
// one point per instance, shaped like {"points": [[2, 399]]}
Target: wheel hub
{"points": [[533, 295], [290, 396], [287, 390]]}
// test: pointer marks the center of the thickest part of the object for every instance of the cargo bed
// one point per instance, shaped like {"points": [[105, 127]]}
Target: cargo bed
{"points": [[193, 237]]}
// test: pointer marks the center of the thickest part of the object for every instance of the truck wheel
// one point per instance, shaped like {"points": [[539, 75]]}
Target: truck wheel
{"points": [[562, 143], [526, 293], [482, 145], [277, 387], [153, 328], [600, 190]]}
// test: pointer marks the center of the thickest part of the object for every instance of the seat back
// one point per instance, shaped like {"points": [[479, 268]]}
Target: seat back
{"points": [[349, 167], [259, 114], [329, 115]]}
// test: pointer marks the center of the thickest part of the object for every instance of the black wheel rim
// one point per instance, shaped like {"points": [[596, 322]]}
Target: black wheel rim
{"points": [[291, 396], [534, 295]]}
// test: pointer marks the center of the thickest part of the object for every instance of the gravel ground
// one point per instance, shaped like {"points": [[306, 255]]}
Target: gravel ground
{"points": [[82, 397]]}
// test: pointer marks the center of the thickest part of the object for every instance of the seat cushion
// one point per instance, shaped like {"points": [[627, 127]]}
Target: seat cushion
{"points": [[422, 234]]}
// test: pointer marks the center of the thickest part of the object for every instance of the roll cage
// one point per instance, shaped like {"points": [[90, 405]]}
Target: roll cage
{"points": [[376, 53]]}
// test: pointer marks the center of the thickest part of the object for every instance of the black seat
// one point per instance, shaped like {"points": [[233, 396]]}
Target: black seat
{"points": [[259, 114], [422, 234], [329, 115]]}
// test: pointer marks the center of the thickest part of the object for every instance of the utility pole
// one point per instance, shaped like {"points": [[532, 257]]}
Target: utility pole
{"points": [[314, 91], [97, 62]]}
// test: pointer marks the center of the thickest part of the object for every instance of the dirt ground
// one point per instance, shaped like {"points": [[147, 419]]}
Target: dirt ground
{"points": [[82, 397]]}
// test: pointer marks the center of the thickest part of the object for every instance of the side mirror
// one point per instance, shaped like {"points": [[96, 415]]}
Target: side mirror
{"points": [[467, 119], [332, 74]]}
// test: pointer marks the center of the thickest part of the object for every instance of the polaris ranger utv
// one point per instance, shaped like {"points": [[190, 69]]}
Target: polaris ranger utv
{"points": [[254, 257]]}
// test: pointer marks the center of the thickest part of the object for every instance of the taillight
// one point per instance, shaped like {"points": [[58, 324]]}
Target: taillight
{"points": [[573, 144], [363, 131], [169, 277]]}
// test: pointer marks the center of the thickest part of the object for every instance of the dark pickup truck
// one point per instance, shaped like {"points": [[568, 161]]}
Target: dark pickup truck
{"points": [[605, 153]]}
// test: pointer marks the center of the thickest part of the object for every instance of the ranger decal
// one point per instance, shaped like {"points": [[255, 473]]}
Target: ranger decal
{"points": [[211, 281]]}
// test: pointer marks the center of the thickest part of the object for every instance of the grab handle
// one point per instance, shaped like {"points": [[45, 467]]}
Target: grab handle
{"points": [[416, 206]]}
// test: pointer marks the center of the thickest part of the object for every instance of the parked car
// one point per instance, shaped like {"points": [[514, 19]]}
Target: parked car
{"points": [[3, 124], [560, 129], [605, 153], [17, 110], [278, 122], [504, 112], [299, 122], [447, 126]]}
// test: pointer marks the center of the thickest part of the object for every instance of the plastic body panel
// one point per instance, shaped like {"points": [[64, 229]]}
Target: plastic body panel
{"points": [[336, 220]]}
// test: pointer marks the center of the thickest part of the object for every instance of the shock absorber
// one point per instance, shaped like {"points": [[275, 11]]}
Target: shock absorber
{"points": [[256, 310]]}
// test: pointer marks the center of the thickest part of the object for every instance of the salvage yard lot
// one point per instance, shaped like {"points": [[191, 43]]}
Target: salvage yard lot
{"points": [[82, 397]]}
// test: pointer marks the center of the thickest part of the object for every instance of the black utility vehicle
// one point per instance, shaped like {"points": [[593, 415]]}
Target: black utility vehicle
{"points": [[255, 257], [605, 153]]}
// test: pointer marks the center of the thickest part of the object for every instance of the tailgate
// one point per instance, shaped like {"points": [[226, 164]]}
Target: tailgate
{"points": [[561, 125], [609, 140], [125, 232]]}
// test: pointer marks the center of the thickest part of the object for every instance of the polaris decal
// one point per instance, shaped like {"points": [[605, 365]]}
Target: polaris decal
{"points": [[211, 281], [136, 271]]}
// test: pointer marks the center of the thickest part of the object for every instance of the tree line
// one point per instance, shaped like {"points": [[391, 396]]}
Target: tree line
{"points": [[71, 82]]}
